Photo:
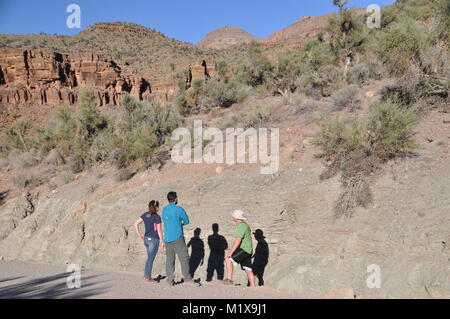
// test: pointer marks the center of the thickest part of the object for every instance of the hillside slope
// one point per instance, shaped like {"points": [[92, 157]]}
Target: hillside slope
{"points": [[225, 37], [139, 50], [405, 231]]}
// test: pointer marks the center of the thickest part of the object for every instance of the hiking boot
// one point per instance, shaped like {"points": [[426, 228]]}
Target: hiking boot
{"points": [[227, 282]]}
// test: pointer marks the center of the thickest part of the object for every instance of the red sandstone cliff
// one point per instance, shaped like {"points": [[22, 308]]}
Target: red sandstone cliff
{"points": [[35, 77]]}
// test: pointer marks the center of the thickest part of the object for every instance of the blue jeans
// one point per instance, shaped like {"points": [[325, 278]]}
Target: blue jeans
{"points": [[152, 245]]}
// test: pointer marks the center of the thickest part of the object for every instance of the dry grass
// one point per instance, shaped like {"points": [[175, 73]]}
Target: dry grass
{"points": [[356, 193]]}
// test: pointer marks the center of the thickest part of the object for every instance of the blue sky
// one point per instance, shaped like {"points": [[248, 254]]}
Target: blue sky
{"points": [[183, 20]]}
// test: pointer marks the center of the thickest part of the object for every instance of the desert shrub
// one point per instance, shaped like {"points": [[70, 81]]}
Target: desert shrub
{"points": [[319, 71], [339, 137], [301, 103], [357, 148], [90, 122], [73, 130], [356, 193], [390, 15], [222, 94], [283, 77], [254, 114], [362, 72], [345, 97], [441, 9], [253, 68], [152, 123], [397, 92], [348, 37], [204, 95], [82, 136], [61, 130], [187, 100], [401, 45], [15, 136], [391, 129]]}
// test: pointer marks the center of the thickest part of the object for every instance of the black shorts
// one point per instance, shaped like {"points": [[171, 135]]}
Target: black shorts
{"points": [[242, 258]]}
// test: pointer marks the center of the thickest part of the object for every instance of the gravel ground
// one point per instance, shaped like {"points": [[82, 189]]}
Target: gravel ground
{"points": [[27, 280]]}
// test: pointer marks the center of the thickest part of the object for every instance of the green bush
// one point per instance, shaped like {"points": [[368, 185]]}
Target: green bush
{"points": [[252, 115], [283, 78], [253, 69], [339, 138], [15, 136], [348, 35], [90, 122], [401, 45], [357, 148], [363, 72], [83, 136], [391, 129], [139, 132], [225, 94], [345, 97], [301, 103]]}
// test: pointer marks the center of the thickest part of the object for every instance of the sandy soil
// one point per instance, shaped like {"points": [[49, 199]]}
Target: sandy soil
{"points": [[27, 280]]}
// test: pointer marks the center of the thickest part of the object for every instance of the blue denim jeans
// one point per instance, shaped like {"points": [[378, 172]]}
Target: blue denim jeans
{"points": [[152, 245]]}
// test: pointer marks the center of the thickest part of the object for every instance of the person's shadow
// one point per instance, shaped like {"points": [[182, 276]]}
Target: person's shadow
{"points": [[197, 252], [261, 256], [217, 245]]}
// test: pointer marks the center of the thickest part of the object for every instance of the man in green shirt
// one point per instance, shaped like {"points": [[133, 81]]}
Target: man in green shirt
{"points": [[241, 251]]}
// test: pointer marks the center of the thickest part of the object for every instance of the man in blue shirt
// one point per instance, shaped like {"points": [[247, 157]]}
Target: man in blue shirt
{"points": [[174, 218]]}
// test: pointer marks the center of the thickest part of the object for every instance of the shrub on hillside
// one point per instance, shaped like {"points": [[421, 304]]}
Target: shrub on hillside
{"points": [[401, 45], [348, 36], [301, 103], [357, 148], [82, 136], [345, 98], [253, 69], [15, 136], [139, 132], [253, 114], [283, 77], [391, 129], [221, 94], [363, 72]]}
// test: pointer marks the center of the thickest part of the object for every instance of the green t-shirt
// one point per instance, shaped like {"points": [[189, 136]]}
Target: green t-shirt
{"points": [[243, 231]]}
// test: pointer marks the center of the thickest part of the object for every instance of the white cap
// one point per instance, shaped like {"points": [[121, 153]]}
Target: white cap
{"points": [[238, 214]]}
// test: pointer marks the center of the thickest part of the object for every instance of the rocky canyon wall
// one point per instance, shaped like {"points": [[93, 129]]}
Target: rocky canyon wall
{"points": [[36, 77]]}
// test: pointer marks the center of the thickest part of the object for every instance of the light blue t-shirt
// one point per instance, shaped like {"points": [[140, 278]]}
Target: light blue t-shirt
{"points": [[172, 216]]}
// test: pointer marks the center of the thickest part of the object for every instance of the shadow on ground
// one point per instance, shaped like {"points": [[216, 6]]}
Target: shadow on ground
{"points": [[50, 287]]}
